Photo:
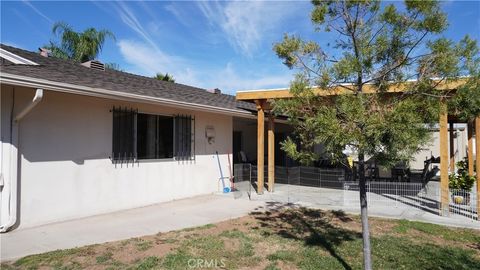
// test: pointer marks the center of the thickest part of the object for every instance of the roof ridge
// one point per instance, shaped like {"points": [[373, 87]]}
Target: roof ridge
{"points": [[65, 70], [109, 69]]}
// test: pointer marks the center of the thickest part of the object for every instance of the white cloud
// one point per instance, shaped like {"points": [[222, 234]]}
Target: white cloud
{"points": [[128, 17], [231, 80], [144, 59], [179, 13], [41, 14], [246, 24]]}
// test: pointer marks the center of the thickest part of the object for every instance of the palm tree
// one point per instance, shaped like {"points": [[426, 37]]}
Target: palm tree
{"points": [[78, 46], [164, 77]]}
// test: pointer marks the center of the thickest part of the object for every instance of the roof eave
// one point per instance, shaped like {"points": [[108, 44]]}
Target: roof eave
{"points": [[6, 78]]}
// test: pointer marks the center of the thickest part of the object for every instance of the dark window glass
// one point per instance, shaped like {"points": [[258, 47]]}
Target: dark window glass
{"points": [[146, 136], [154, 136]]}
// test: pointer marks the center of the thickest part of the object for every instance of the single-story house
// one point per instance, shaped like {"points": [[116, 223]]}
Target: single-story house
{"points": [[79, 140]]}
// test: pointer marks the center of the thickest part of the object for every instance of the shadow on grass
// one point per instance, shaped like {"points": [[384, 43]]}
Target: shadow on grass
{"points": [[313, 227], [390, 252]]}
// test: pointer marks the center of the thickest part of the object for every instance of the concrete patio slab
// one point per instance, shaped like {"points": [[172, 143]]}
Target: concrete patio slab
{"points": [[126, 224], [335, 199]]}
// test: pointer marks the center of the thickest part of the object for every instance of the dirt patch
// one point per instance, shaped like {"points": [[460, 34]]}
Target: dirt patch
{"points": [[232, 244]]}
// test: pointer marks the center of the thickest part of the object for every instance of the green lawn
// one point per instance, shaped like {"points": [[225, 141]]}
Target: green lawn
{"points": [[284, 239]]}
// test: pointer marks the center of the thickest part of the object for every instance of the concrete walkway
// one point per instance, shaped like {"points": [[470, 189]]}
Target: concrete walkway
{"points": [[137, 222]]}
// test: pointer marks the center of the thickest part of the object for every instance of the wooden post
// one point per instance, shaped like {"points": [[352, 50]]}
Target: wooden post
{"points": [[477, 150], [271, 152], [444, 192], [470, 148], [452, 147], [260, 144]]}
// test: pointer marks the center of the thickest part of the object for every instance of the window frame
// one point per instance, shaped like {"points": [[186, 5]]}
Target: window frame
{"points": [[175, 157], [136, 137]]}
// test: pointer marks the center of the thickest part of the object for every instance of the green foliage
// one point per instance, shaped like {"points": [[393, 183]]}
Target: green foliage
{"points": [[378, 47], [461, 179], [434, 230], [77, 46], [466, 102], [164, 77], [143, 245], [113, 66], [151, 262], [104, 257]]}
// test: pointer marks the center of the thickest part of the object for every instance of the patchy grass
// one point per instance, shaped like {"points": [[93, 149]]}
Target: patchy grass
{"points": [[287, 238], [143, 245], [104, 257]]}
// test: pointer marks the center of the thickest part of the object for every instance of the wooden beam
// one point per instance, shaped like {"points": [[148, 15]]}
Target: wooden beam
{"points": [[470, 148], [339, 90], [452, 147], [271, 152], [477, 150], [444, 192], [260, 144]]}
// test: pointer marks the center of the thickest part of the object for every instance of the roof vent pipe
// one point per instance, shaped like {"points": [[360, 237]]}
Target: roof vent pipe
{"points": [[44, 52], [215, 91]]}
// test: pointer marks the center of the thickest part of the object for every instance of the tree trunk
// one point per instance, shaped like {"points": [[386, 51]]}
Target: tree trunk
{"points": [[367, 258]]}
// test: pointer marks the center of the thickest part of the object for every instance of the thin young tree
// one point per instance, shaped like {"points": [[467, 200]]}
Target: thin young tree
{"points": [[77, 46], [341, 91]]}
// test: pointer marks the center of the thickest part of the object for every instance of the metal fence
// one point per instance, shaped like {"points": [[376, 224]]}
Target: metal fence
{"points": [[394, 194], [422, 196], [327, 186], [305, 176], [463, 203], [292, 184]]}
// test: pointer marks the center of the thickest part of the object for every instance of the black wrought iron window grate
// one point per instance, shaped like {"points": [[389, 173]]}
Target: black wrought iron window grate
{"points": [[124, 134], [184, 137], [140, 136]]}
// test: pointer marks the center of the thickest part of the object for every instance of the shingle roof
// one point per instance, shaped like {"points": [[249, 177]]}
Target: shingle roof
{"points": [[65, 71]]}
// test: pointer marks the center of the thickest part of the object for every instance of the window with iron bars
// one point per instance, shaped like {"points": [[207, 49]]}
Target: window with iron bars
{"points": [[141, 136]]}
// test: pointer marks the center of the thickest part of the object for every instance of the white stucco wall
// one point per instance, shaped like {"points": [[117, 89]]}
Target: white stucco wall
{"points": [[66, 173], [433, 148]]}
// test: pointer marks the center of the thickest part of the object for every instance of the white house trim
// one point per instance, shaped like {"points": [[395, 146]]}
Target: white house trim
{"points": [[18, 60], [7, 78]]}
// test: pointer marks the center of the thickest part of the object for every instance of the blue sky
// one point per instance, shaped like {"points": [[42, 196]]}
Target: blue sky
{"points": [[209, 44]]}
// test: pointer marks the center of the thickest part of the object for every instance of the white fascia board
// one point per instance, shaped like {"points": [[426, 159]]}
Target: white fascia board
{"points": [[16, 59], [6, 78]]}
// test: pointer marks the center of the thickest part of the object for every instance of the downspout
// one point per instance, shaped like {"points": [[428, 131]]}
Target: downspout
{"points": [[14, 146]]}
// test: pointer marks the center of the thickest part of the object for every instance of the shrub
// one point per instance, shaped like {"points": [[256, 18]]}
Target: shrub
{"points": [[460, 179]]}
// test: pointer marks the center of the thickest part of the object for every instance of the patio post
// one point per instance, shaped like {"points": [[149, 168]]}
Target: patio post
{"points": [[470, 148], [444, 192], [260, 144], [477, 144], [271, 152], [452, 146]]}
